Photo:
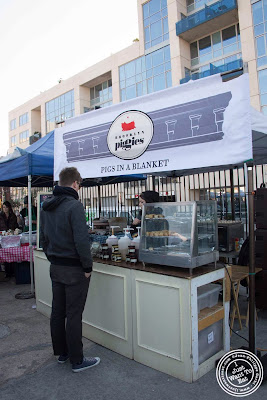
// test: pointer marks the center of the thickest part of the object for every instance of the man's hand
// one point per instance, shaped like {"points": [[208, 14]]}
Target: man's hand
{"points": [[87, 274]]}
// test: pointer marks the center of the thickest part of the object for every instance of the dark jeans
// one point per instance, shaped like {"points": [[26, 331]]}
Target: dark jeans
{"points": [[70, 288]]}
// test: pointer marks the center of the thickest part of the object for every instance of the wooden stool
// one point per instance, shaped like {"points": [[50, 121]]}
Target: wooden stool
{"points": [[238, 274]]}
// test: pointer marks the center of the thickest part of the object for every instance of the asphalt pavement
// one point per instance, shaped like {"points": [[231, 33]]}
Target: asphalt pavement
{"points": [[29, 371]]}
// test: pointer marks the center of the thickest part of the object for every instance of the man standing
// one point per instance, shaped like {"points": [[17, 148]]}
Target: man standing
{"points": [[65, 241], [25, 215]]}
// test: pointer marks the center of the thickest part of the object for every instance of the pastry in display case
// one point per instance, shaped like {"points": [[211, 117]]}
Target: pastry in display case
{"points": [[180, 234]]}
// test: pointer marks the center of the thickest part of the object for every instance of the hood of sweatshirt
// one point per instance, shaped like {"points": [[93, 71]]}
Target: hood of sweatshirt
{"points": [[59, 195]]}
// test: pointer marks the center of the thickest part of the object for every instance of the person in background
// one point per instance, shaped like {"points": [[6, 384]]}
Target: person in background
{"points": [[8, 220], [65, 240], [149, 196], [9, 217], [25, 214], [2, 222]]}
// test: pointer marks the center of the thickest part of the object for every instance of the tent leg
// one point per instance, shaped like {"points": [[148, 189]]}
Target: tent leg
{"points": [[29, 295], [247, 202], [232, 194], [30, 228], [99, 200], [252, 314]]}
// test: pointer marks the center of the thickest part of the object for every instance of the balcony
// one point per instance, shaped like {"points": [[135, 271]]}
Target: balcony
{"points": [[210, 19], [234, 66]]}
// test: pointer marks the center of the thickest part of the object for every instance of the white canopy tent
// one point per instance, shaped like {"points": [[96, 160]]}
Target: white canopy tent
{"points": [[205, 125]]}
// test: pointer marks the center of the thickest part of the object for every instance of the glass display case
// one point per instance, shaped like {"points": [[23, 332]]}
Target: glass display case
{"points": [[183, 234]]}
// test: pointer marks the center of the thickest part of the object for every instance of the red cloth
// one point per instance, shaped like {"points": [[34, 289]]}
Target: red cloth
{"points": [[15, 254]]}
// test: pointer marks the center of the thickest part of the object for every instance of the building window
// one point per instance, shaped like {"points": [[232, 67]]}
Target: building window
{"points": [[101, 95], [59, 109], [259, 10], [23, 119], [146, 74], [216, 46], [13, 124], [155, 19], [13, 140], [24, 136], [263, 89], [193, 5]]}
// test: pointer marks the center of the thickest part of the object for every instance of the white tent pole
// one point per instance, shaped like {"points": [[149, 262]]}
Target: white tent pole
{"points": [[246, 192], [30, 228], [252, 314]]}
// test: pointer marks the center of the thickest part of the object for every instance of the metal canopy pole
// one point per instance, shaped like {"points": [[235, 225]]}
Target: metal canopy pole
{"points": [[29, 295], [232, 194], [252, 314], [30, 228], [99, 200]]}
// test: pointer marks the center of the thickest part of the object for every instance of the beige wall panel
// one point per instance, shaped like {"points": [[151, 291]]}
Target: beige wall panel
{"points": [[130, 53], [185, 49], [43, 287], [84, 98], [35, 121], [253, 84], [152, 318], [43, 124], [140, 25], [252, 67], [244, 14], [173, 15], [255, 102], [247, 44], [107, 317], [156, 299], [112, 298]]}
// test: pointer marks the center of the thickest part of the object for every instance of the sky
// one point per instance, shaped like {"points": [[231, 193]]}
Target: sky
{"points": [[44, 41]]}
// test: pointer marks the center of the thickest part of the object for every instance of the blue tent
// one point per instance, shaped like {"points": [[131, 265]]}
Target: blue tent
{"points": [[37, 161]]}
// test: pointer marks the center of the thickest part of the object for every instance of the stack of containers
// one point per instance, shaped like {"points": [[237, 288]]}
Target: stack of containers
{"points": [[210, 339]]}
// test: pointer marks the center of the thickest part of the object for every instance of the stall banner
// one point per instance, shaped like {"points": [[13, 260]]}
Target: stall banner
{"points": [[204, 123]]}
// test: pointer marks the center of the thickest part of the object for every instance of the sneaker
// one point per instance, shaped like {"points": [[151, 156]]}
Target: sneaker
{"points": [[63, 358], [86, 363]]}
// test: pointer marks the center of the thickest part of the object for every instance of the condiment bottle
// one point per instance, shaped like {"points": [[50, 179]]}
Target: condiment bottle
{"points": [[114, 248], [136, 240], [124, 242], [131, 249], [113, 256], [117, 258], [104, 246], [133, 259], [105, 255], [112, 239]]}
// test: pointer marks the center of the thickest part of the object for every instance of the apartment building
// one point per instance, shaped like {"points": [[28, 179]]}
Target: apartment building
{"points": [[178, 40]]}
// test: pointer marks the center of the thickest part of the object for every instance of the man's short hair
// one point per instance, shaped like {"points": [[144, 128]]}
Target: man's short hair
{"points": [[69, 175]]}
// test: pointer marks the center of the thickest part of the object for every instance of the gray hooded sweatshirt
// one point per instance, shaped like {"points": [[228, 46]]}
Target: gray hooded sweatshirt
{"points": [[64, 235]]}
